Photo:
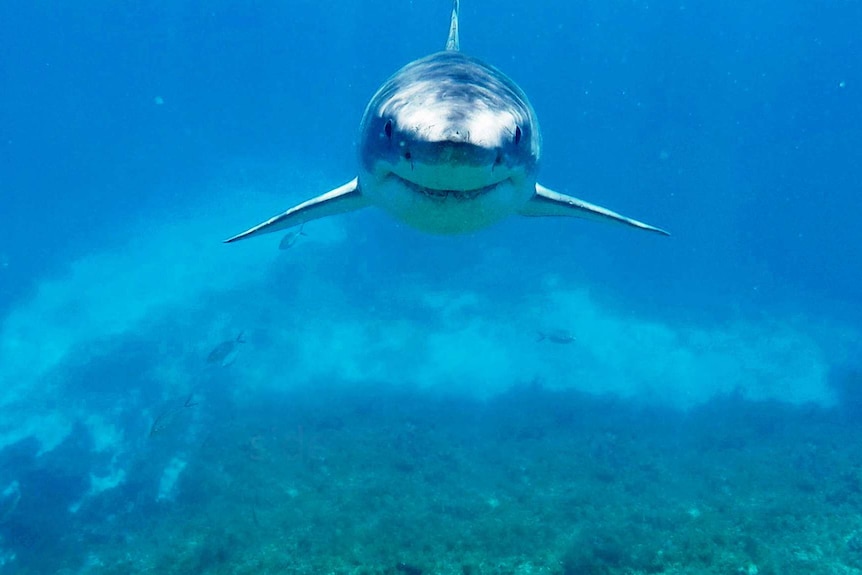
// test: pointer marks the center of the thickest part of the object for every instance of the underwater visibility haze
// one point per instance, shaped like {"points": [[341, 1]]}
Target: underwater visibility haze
{"points": [[353, 395]]}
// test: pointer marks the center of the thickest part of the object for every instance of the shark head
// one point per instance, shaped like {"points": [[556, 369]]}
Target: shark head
{"points": [[449, 144]]}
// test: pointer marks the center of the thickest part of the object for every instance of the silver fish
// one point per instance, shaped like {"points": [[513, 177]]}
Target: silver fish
{"points": [[557, 336], [225, 353], [290, 238]]}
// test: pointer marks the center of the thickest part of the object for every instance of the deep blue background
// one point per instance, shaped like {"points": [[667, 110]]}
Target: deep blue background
{"points": [[736, 127]]}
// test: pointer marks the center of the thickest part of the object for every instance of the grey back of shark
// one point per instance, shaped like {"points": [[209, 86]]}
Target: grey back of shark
{"points": [[447, 145]]}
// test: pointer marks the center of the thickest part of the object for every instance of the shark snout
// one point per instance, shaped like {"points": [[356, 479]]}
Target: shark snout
{"points": [[451, 152], [456, 136]]}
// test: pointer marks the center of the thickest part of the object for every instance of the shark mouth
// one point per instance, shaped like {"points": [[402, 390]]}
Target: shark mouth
{"points": [[442, 195]]}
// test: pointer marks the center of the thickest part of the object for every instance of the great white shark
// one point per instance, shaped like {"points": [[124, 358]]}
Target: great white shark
{"points": [[447, 145]]}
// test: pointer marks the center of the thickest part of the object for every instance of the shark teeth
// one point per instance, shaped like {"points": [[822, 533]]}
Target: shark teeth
{"points": [[441, 195]]}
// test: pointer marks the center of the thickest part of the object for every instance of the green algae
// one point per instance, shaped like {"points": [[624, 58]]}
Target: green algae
{"points": [[532, 482]]}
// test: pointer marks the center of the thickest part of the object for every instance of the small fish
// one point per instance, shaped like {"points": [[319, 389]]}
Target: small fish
{"points": [[166, 417], [557, 336], [225, 353], [291, 238]]}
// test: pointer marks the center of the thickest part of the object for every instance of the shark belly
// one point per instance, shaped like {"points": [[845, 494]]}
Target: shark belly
{"points": [[446, 212]]}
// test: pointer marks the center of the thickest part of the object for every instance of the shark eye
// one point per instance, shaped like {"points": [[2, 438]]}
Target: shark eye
{"points": [[387, 129], [517, 138]]}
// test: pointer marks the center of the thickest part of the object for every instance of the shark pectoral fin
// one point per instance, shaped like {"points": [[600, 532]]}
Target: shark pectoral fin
{"points": [[346, 198], [550, 203]]}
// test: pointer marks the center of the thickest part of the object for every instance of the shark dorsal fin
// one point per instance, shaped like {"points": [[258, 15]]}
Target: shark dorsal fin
{"points": [[453, 43]]}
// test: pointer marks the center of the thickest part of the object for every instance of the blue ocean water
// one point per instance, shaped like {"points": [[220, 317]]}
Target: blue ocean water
{"points": [[378, 400]]}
